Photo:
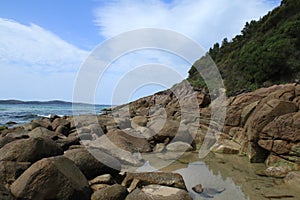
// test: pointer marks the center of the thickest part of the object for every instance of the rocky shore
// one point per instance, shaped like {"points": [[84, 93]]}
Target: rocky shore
{"points": [[98, 157]]}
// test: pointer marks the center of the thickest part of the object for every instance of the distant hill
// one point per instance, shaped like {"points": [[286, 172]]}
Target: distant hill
{"points": [[13, 101], [266, 52]]}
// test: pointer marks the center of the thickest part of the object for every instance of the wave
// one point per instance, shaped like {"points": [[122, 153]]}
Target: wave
{"points": [[48, 116], [26, 116]]}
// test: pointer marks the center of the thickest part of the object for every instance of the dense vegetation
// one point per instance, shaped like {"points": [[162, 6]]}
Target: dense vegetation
{"points": [[266, 52]]}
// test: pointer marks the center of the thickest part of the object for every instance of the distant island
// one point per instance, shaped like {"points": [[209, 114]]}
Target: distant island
{"points": [[14, 101]]}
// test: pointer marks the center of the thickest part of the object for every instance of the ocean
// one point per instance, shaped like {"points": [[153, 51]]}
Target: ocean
{"points": [[24, 113]]}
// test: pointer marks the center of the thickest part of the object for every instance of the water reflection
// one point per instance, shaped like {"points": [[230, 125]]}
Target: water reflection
{"points": [[211, 172], [198, 172]]}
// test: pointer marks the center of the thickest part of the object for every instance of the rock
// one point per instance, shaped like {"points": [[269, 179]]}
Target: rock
{"points": [[71, 140], [114, 192], [247, 111], [179, 146], [84, 130], [103, 179], [293, 178], [164, 128], [233, 117], [276, 161], [60, 122], [198, 188], [285, 127], [125, 157], [5, 194], [157, 178], [256, 154], [123, 122], [29, 150], [277, 172], [234, 131], [159, 147], [45, 122], [226, 147], [185, 133], [96, 187], [76, 147], [266, 112], [211, 192], [128, 142], [159, 192], [91, 166], [3, 128], [52, 178], [170, 155], [53, 117], [10, 171], [239, 135], [96, 129], [138, 121], [277, 146], [144, 132], [11, 123], [5, 140], [62, 130], [295, 150], [42, 132], [12, 135]]}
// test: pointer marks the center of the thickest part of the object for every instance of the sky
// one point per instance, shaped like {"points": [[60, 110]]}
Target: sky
{"points": [[44, 44]]}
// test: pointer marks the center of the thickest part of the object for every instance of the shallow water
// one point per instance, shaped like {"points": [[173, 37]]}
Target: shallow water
{"points": [[230, 172]]}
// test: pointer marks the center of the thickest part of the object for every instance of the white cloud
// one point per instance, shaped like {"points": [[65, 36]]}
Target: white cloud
{"points": [[35, 64], [36, 48], [205, 21]]}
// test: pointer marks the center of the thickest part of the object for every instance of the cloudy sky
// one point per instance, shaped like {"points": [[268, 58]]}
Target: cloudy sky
{"points": [[43, 44]]}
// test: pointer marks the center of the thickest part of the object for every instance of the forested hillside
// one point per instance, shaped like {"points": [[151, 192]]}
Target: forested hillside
{"points": [[266, 52]]}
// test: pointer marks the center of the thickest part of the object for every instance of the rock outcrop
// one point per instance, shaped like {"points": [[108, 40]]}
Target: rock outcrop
{"points": [[52, 178]]}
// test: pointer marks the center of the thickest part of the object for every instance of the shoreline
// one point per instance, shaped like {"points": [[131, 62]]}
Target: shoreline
{"points": [[142, 135]]}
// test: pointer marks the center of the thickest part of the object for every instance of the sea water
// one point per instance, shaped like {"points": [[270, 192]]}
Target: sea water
{"points": [[24, 113]]}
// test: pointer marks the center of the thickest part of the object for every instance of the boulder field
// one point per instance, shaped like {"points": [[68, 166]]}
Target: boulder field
{"points": [[88, 157]]}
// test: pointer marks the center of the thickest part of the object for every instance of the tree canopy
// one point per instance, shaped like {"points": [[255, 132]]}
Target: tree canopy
{"points": [[266, 52]]}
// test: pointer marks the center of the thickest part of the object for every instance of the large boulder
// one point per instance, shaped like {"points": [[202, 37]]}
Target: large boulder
{"points": [[10, 171], [60, 122], [13, 134], [285, 127], [52, 178], [274, 160], [138, 121], [128, 142], [44, 122], [226, 147], [104, 144], [159, 192], [42, 132], [114, 192], [267, 112], [164, 128], [29, 150], [91, 166]]}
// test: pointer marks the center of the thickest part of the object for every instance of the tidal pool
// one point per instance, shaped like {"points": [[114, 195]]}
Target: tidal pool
{"points": [[230, 172]]}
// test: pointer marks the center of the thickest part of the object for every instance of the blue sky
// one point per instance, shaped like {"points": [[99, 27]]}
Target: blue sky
{"points": [[44, 43]]}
